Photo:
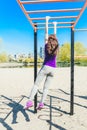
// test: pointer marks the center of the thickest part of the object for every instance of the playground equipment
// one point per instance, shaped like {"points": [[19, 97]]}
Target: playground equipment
{"points": [[47, 19], [73, 20]]}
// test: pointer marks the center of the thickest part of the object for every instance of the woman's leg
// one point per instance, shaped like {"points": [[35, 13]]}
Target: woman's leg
{"points": [[46, 86], [41, 75]]}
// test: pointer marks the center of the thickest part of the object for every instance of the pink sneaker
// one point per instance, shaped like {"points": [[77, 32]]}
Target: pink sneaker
{"points": [[28, 105], [40, 106]]}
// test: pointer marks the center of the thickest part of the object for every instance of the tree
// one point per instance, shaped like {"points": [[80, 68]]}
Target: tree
{"points": [[3, 57], [64, 52], [80, 50]]}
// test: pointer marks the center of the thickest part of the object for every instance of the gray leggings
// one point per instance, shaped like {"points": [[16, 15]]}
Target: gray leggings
{"points": [[45, 72]]}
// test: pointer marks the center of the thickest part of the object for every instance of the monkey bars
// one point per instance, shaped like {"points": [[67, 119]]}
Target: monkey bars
{"points": [[34, 20], [68, 21]]}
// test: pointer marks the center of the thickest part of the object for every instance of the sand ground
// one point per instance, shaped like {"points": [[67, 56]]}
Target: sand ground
{"points": [[15, 86]]}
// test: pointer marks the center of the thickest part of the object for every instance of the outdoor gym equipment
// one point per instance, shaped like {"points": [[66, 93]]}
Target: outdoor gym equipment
{"points": [[71, 23]]}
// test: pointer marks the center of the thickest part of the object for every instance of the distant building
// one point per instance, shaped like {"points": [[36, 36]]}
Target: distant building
{"points": [[29, 55], [41, 52]]}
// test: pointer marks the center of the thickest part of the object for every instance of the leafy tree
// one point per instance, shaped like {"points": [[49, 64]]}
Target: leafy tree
{"points": [[80, 49], [3, 57], [64, 52]]}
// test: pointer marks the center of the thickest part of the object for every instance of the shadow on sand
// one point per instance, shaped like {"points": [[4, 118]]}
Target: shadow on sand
{"points": [[59, 110], [16, 107]]}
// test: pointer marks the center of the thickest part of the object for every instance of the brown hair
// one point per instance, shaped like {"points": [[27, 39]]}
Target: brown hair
{"points": [[52, 45]]}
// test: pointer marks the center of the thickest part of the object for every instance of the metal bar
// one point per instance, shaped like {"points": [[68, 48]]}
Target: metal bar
{"points": [[57, 23], [35, 65], [81, 29], [23, 9], [46, 29], [47, 11], [50, 113], [56, 27], [81, 12], [72, 73], [44, 1], [60, 17]]}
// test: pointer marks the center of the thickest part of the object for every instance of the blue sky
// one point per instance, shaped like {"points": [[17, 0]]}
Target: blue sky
{"points": [[16, 33]]}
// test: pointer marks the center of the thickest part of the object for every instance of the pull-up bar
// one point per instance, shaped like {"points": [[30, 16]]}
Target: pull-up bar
{"points": [[42, 1], [47, 19], [48, 11], [80, 29], [27, 12], [40, 28], [57, 23], [55, 26], [53, 18]]}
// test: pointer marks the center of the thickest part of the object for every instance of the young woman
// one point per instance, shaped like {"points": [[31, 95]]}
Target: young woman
{"points": [[47, 71]]}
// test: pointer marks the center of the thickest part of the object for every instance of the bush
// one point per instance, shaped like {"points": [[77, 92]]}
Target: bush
{"points": [[3, 57], [63, 64], [81, 60]]}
